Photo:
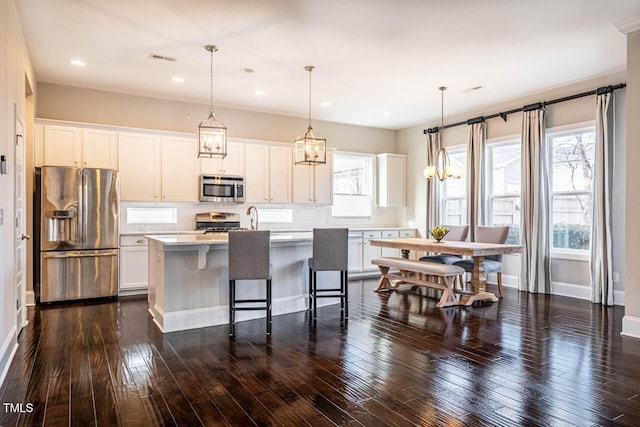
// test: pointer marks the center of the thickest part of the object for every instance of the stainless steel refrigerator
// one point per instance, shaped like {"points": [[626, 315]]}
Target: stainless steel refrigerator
{"points": [[76, 228]]}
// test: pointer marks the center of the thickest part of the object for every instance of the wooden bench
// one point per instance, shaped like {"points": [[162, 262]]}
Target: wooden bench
{"points": [[419, 273]]}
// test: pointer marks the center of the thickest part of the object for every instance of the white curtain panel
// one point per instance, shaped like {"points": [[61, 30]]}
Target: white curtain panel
{"points": [[433, 185], [535, 272], [601, 262], [476, 142]]}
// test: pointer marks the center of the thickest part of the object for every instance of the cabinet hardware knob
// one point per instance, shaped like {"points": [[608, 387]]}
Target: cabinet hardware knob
{"points": [[140, 241]]}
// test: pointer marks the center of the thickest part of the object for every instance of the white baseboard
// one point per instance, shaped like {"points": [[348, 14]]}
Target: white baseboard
{"points": [[31, 299], [566, 289], [212, 316], [7, 352], [571, 290], [630, 326], [130, 292]]}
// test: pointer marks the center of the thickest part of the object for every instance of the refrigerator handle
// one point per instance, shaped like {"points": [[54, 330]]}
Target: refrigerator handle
{"points": [[78, 255], [84, 207]]}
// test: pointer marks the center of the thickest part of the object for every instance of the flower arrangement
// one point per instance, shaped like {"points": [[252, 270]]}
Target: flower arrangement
{"points": [[438, 232]]}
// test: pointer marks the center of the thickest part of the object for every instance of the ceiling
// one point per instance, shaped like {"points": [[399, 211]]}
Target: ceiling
{"points": [[378, 62]]}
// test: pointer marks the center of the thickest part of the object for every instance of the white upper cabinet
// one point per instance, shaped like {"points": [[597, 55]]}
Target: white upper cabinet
{"points": [[140, 167], [158, 168], [313, 184], [392, 180], [268, 176], [62, 146], [280, 171], [180, 170], [74, 146], [232, 164], [100, 148], [257, 176]]}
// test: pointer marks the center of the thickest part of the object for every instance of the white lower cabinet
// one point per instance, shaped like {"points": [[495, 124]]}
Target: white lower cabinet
{"points": [[355, 253], [134, 265], [361, 252]]}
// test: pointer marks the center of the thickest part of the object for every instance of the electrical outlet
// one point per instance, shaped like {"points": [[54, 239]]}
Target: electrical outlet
{"points": [[616, 276]]}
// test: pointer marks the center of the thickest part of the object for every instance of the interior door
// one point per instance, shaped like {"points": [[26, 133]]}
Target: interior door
{"points": [[20, 222]]}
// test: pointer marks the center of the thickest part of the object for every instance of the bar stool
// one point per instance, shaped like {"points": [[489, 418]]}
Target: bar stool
{"points": [[249, 259], [330, 253]]}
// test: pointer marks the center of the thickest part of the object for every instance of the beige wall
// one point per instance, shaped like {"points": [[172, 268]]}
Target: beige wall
{"points": [[412, 142], [94, 106], [14, 68], [631, 324]]}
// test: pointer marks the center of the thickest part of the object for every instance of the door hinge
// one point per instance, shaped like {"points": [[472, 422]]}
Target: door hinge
{"points": [[17, 304]]}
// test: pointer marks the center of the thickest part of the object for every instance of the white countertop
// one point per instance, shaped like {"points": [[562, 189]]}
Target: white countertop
{"points": [[150, 233], [221, 238]]}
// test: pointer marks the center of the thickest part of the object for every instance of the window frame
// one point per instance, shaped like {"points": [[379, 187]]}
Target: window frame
{"points": [[492, 143], [442, 215], [371, 158], [565, 253]]}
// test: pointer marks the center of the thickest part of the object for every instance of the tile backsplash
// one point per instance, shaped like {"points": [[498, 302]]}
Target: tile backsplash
{"points": [[304, 217]]}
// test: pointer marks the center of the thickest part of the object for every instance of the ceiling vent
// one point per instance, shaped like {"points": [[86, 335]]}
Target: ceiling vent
{"points": [[162, 57]]}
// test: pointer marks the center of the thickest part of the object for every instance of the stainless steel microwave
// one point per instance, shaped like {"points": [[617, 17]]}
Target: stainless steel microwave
{"points": [[221, 189]]}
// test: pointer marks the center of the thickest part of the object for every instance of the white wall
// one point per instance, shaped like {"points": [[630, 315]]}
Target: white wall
{"points": [[631, 320], [14, 68], [411, 141], [109, 108]]}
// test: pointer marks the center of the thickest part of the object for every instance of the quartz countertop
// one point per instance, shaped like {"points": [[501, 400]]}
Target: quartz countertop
{"points": [[151, 233], [221, 238]]}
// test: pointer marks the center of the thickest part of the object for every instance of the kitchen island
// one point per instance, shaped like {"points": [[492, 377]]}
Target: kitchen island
{"points": [[189, 282]]}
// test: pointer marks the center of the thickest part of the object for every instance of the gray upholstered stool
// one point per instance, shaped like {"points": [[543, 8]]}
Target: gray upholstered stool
{"points": [[492, 263], [330, 253], [249, 259]]}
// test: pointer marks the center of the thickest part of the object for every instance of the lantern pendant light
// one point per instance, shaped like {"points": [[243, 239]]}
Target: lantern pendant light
{"points": [[212, 135], [442, 168], [310, 147]]}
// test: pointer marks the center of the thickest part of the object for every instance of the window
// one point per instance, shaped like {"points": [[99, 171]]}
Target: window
{"points": [[454, 191], [572, 157], [352, 185], [152, 215], [503, 180]]}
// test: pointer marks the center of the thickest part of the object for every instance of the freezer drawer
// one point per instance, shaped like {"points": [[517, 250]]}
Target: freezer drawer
{"points": [[71, 275]]}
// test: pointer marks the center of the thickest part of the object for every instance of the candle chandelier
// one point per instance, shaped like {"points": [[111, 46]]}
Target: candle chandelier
{"points": [[442, 168], [310, 147]]}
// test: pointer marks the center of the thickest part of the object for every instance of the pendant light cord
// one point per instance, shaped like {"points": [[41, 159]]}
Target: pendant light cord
{"points": [[211, 85], [310, 68]]}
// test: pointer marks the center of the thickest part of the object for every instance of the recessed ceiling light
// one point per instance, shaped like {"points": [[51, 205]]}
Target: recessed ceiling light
{"points": [[78, 62], [258, 92], [386, 113], [177, 79], [326, 103], [472, 89]]}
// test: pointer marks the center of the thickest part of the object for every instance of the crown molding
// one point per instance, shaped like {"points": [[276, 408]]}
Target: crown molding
{"points": [[628, 25]]}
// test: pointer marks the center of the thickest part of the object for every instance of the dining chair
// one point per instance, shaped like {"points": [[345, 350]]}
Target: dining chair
{"points": [[249, 259], [330, 253], [457, 233], [492, 263]]}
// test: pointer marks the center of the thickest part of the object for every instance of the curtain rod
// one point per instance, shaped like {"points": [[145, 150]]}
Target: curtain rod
{"points": [[536, 106]]}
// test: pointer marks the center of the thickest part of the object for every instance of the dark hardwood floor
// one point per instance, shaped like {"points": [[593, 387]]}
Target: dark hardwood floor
{"points": [[399, 361]]}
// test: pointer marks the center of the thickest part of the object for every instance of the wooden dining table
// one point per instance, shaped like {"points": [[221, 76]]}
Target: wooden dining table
{"points": [[477, 251]]}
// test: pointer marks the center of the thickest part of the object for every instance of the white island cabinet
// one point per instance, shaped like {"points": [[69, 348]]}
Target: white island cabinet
{"points": [[189, 279]]}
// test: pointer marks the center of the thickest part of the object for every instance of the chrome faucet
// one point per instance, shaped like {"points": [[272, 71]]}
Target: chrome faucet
{"points": [[249, 213]]}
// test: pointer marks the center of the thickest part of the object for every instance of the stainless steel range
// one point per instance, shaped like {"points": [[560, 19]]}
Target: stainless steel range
{"points": [[217, 222]]}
